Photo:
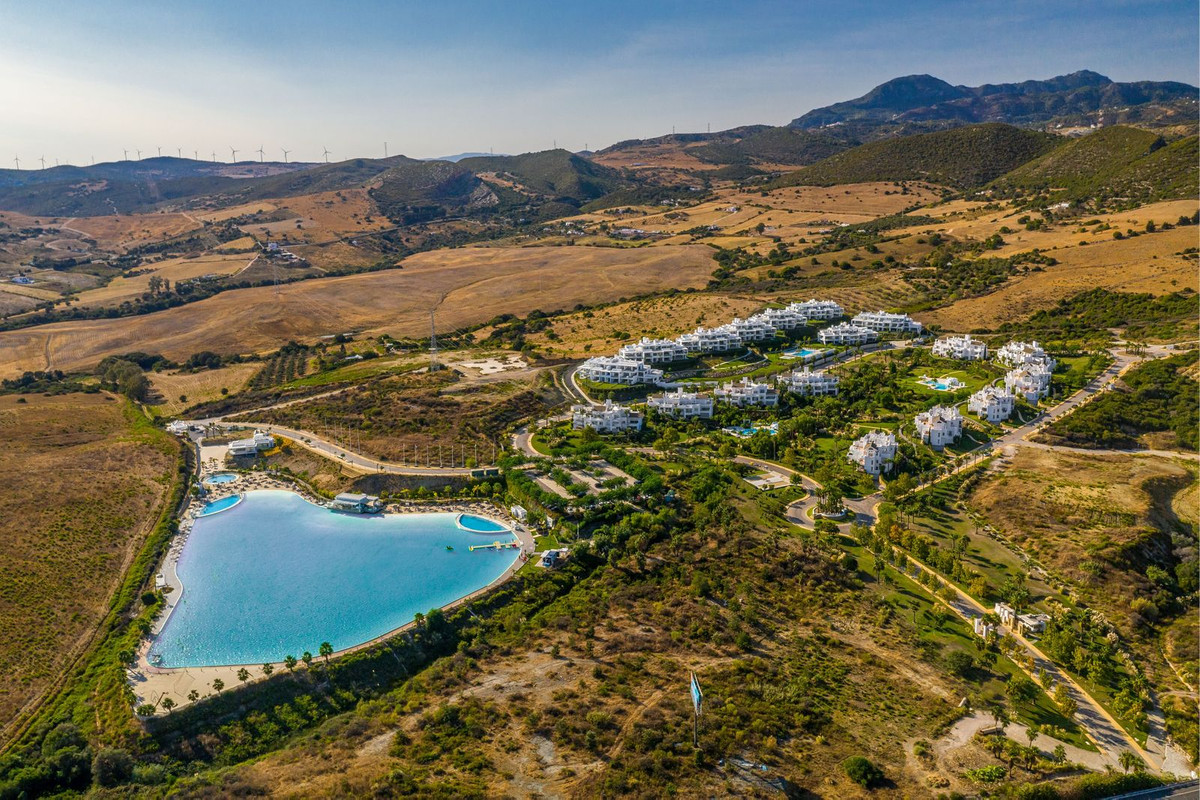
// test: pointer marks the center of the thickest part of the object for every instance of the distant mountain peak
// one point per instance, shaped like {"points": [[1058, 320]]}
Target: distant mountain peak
{"points": [[927, 99]]}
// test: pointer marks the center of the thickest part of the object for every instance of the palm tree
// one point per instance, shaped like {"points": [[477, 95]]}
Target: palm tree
{"points": [[168, 704], [326, 651], [999, 713], [1032, 733], [268, 669], [243, 674], [218, 685], [306, 657], [1129, 761], [289, 661], [193, 696]]}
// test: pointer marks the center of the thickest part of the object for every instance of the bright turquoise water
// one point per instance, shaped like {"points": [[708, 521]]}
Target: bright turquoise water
{"points": [[224, 477], [479, 524], [802, 352], [220, 505], [277, 575]]}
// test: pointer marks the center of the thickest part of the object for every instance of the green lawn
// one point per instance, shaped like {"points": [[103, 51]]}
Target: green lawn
{"points": [[973, 382]]}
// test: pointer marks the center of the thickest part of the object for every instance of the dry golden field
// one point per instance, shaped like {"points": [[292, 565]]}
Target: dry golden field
{"points": [[1068, 509], [113, 232], [120, 289], [465, 286], [1145, 264], [200, 386], [80, 488]]}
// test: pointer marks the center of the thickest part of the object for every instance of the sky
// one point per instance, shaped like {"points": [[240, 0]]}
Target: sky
{"points": [[85, 80]]}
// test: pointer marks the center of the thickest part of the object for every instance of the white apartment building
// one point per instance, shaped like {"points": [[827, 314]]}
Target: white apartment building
{"points": [[1031, 381], [754, 329], [654, 351], [249, 447], [992, 403], [710, 340], [608, 418], [1018, 354], [845, 333], [886, 322], [963, 348], [682, 405], [818, 309], [939, 426], [874, 451], [747, 392], [614, 369], [808, 382], [783, 319]]}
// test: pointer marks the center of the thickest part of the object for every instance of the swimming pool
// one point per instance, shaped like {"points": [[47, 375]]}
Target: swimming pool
{"points": [[279, 575], [749, 431], [220, 505], [804, 353], [943, 384], [220, 477], [479, 524]]}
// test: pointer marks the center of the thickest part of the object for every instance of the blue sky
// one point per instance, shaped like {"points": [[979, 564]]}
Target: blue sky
{"points": [[83, 80]]}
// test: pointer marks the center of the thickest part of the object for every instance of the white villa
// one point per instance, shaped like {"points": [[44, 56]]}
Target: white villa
{"points": [[682, 405], [939, 426], [818, 309], [653, 351], [614, 369], [874, 451], [357, 503], [747, 392], [1031, 381], [784, 319], [251, 446], [845, 333], [608, 418], [963, 348], [754, 329], [885, 322], [992, 403], [1018, 354], [710, 340], [178, 427], [807, 382]]}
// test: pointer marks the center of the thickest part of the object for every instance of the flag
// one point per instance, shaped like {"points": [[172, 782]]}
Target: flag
{"points": [[697, 695]]}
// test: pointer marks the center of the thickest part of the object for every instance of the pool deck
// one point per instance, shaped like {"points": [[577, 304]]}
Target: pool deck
{"points": [[151, 684]]}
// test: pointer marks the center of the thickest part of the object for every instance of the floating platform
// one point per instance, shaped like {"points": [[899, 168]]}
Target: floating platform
{"points": [[495, 546]]}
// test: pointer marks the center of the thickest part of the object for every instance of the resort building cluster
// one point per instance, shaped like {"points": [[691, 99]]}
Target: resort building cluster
{"points": [[874, 451], [682, 405], [992, 404], [810, 383], [1031, 369], [963, 348], [846, 333], [608, 418], [251, 446], [939, 426], [747, 392], [886, 322], [630, 366]]}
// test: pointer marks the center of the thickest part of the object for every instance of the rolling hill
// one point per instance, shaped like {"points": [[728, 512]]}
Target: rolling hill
{"points": [[1112, 162], [1080, 95], [962, 158]]}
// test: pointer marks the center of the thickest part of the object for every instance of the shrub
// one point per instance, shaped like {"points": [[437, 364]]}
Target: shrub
{"points": [[862, 771], [112, 766], [988, 774]]}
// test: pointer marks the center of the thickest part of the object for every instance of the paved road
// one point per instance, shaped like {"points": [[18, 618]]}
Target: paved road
{"points": [[1178, 791], [328, 449]]}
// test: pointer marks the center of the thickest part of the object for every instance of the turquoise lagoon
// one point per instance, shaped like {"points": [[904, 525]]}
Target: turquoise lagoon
{"points": [[276, 574]]}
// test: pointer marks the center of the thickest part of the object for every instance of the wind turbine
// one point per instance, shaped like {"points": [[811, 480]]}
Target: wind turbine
{"points": [[214, 156], [385, 155], [326, 154], [179, 152], [159, 151], [43, 160], [18, 160], [233, 153], [195, 155], [126, 152], [285, 154], [260, 153], [139, 152]]}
